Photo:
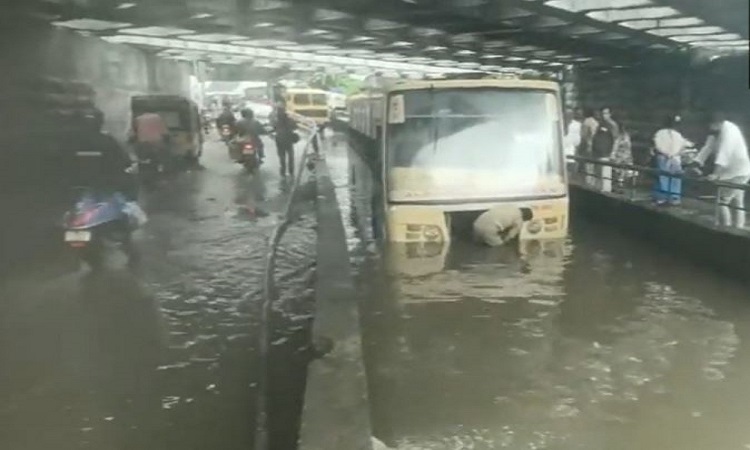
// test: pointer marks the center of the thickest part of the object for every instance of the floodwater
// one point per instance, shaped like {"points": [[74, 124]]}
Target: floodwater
{"points": [[598, 342], [164, 357]]}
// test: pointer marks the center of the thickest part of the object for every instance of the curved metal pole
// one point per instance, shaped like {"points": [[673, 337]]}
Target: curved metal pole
{"points": [[269, 296]]}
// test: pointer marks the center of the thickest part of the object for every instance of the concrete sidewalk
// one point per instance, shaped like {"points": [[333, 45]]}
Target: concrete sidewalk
{"points": [[336, 414], [697, 204]]}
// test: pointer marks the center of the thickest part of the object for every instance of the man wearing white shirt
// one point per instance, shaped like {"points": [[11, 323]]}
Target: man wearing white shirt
{"points": [[669, 144], [573, 134], [732, 165]]}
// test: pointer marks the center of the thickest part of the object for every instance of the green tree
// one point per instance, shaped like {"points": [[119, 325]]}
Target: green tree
{"points": [[329, 82]]}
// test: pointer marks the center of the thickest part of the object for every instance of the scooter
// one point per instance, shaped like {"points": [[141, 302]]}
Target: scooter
{"points": [[248, 156], [98, 221]]}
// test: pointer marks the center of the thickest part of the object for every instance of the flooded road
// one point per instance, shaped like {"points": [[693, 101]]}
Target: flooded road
{"points": [[163, 357], [599, 342]]}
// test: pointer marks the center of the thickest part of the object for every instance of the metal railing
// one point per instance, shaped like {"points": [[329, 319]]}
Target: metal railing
{"points": [[632, 180], [270, 293]]}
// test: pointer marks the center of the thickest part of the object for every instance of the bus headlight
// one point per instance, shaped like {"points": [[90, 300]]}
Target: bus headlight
{"points": [[535, 226], [429, 233]]}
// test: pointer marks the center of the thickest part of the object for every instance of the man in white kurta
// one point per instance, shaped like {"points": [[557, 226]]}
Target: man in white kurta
{"points": [[732, 164], [500, 224]]}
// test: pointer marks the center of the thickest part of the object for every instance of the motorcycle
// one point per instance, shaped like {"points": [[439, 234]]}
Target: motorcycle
{"points": [[248, 156], [226, 134], [98, 221], [206, 124]]}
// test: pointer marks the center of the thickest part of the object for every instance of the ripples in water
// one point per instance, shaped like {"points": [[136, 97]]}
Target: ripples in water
{"points": [[609, 344]]}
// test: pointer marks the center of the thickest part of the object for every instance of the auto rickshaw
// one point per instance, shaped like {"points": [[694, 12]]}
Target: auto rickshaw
{"points": [[182, 117]]}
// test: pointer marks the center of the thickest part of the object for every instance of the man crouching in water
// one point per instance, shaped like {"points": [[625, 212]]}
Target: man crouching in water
{"points": [[501, 224]]}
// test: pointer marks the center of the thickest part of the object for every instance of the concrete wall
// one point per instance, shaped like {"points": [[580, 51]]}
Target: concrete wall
{"points": [[47, 75], [723, 250], [32, 50], [643, 96]]}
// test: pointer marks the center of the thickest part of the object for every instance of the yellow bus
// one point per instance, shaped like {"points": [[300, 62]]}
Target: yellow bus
{"points": [[450, 149], [310, 103]]}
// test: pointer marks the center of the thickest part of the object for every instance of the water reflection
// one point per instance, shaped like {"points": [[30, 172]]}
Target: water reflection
{"points": [[99, 363], [165, 358], [562, 346], [600, 342]]}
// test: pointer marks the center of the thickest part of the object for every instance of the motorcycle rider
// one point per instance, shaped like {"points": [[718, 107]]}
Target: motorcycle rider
{"points": [[101, 163], [227, 117], [249, 128], [103, 166]]}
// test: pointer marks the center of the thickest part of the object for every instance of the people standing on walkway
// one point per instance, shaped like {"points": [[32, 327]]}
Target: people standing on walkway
{"points": [[622, 154], [286, 137], [731, 164], [668, 147], [602, 146], [572, 132], [588, 130]]}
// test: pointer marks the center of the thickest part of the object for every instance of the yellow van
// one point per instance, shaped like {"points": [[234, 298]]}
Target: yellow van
{"points": [[310, 103]]}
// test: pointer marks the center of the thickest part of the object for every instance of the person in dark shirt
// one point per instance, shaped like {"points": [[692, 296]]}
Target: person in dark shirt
{"points": [[286, 137], [249, 128], [100, 162], [603, 141], [227, 117]]}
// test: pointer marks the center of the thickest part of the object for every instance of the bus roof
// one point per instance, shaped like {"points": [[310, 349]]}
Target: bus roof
{"points": [[305, 91], [358, 95], [407, 85]]}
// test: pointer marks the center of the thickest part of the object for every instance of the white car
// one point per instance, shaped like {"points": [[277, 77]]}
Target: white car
{"points": [[262, 111]]}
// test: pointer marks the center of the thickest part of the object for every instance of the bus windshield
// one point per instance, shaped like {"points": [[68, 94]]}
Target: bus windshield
{"points": [[463, 144], [301, 99], [310, 99], [319, 99]]}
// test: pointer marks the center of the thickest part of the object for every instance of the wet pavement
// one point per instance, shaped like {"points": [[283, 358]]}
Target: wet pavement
{"points": [[164, 357], [598, 342]]}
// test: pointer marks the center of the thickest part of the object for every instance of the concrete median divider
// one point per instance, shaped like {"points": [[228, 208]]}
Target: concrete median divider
{"points": [[336, 412], [722, 249]]}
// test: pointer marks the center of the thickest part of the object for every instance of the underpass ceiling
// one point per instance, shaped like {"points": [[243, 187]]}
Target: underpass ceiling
{"points": [[459, 34]]}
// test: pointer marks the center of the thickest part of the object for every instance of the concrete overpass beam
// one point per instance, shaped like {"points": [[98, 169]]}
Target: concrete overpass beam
{"points": [[622, 15], [592, 5]]}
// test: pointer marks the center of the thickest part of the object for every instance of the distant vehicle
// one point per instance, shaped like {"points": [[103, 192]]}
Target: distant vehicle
{"points": [[450, 149], [247, 155], [226, 134], [262, 109], [336, 101], [310, 103], [182, 117]]}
